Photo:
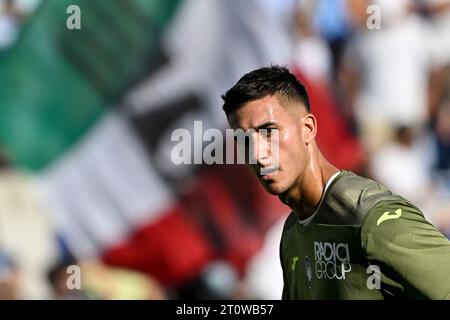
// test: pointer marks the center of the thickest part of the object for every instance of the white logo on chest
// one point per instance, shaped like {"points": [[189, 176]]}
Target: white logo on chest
{"points": [[332, 260]]}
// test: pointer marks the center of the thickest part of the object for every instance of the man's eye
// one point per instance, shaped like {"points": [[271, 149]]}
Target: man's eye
{"points": [[269, 131]]}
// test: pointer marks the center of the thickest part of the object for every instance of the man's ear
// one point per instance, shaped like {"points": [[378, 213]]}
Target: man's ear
{"points": [[309, 128]]}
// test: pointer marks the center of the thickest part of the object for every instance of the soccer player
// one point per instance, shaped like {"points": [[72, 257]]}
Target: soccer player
{"points": [[347, 237]]}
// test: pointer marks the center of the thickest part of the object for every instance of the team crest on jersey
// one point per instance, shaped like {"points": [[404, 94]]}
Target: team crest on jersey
{"points": [[308, 270]]}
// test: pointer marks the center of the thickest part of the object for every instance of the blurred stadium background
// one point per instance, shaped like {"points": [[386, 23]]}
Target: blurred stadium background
{"points": [[86, 118]]}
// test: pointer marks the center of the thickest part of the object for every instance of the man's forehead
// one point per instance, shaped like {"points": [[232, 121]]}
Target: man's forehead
{"points": [[257, 112]]}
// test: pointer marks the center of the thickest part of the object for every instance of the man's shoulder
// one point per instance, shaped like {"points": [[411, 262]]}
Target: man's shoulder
{"points": [[360, 191], [351, 197]]}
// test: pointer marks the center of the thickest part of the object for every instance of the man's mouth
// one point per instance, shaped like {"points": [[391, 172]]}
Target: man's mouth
{"points": [[267, 172]]}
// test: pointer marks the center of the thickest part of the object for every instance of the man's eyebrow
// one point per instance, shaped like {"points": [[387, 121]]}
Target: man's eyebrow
{"points": [[266, 125]]}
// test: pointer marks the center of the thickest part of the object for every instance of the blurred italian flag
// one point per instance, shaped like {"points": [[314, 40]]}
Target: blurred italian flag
{"points": [[90, 113]]}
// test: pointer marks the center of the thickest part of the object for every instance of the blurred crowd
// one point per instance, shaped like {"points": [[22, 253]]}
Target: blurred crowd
{"points": [[391, 83], [380, 84]]}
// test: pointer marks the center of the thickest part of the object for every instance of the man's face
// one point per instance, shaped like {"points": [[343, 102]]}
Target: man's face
{"points": [[278, 173]]}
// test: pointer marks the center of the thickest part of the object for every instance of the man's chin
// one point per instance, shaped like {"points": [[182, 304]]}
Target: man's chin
{"points": [[273, 188]]}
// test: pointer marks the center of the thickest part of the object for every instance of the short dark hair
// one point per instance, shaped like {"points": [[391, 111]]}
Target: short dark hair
{"points": [[259, 83]]}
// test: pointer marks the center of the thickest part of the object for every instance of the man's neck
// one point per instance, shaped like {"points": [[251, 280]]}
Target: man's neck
{"points": [[304, 197]]}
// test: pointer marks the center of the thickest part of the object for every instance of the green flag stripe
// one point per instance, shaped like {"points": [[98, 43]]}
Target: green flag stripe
{"points": [[55, 82]]}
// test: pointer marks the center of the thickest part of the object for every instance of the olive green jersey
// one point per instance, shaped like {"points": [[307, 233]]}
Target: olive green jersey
{"points": [[364, 242]]}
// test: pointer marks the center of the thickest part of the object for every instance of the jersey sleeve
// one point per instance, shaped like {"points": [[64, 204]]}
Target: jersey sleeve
{"points": [[396, 237]]}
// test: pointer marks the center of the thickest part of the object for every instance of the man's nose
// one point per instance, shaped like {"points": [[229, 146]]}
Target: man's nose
{"points": [[264, 162], [260, 151]]}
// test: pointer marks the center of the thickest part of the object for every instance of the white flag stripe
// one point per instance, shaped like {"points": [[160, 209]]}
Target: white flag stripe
{"points": [[105, 186], [65, 222]]}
